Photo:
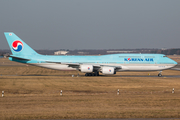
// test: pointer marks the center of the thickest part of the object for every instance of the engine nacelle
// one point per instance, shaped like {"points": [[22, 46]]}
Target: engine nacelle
{"points": [[86, 68], [108, 70]]}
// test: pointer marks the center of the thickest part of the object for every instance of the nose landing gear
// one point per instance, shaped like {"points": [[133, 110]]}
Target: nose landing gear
{"points": [[160, 75]]}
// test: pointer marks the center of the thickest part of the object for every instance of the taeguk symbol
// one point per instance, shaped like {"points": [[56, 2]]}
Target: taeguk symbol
{"points": [[109, 70], [88, 68], [17, 46]]}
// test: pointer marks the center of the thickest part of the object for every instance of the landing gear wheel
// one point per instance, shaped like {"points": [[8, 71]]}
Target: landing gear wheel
{"points": [[159, 75], [92, 74], [96, 74], [88, 74]]}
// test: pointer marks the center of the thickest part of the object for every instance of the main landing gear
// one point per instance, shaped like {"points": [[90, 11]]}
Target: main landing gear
{"points": [[92, 74], [160, 75]]}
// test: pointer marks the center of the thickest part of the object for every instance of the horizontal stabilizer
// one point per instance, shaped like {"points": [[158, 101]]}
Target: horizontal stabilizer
{"points": [[19, 58]]}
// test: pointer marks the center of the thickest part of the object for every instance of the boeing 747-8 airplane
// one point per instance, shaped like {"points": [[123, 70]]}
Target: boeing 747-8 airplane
{"points": [[90, 65]]}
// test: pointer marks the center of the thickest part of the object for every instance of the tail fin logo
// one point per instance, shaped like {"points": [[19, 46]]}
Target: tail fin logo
{"points": [[17, 46]]}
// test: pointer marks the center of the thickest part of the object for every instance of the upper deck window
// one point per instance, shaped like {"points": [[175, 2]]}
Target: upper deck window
{"points": [[164, 56]]}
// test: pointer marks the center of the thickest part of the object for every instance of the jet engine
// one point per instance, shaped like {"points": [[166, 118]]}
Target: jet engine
{"points": [[86, 68], [108, 70]]}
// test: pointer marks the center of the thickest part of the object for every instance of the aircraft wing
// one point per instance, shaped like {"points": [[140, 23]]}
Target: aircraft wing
{"points": [[77, 65], [53, 62], [73, 65]]}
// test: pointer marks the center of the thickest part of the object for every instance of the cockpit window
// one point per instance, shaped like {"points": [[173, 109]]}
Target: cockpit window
{"points": [[164, 56]]}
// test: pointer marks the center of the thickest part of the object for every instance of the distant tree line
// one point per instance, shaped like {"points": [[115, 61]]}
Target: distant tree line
{"points": [[2, 52], [167, 51], [103, 52], [43, 52]]}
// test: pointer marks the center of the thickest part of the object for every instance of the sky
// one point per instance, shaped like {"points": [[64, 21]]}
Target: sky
{"points": [[92, 24]]}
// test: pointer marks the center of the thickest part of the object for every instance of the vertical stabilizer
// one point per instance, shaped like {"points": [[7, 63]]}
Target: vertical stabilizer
{"points": [[17, 46]]}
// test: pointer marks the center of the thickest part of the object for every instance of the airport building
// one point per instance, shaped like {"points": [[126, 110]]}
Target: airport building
{"points": [[61, 52]]}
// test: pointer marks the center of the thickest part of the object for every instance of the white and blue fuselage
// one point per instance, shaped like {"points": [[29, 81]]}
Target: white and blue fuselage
{"points": [[136, 62]]}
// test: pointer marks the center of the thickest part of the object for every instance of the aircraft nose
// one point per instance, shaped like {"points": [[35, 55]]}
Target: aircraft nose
{"points": [[175, 63]]}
